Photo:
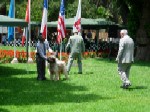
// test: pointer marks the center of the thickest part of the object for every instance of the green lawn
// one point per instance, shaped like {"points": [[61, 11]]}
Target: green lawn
{"points": [[96, 90], [17, 48]]}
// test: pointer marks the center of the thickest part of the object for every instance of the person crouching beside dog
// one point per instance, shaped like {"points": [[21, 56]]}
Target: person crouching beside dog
{"points": [[41, 57], [77, 47], [56, 68]]}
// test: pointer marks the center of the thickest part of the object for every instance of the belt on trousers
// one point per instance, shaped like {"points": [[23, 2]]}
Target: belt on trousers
{"points": [[38, 55]]}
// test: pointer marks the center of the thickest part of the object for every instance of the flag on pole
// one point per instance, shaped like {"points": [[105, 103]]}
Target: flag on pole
{"points": [[27, 12], [61, 29], [11, 15], [23, 37], [26, 19], [77, 22], [44, 20]]}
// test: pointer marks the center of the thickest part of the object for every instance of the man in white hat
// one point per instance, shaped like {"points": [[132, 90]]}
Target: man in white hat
{"points": [[125, 57], [77, 47]]}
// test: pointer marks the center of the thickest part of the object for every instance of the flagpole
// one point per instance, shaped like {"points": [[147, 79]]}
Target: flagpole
{"points": [[15, 60], [60, 49], [46, 20], [46, 31], [46, 23], [30, 60], [61, 27], [26, 33]]}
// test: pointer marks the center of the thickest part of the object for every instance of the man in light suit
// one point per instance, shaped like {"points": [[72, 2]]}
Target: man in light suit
{"points": [[125, 57], [76, 45]]}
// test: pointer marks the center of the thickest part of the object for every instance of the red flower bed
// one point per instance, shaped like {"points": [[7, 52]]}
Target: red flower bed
{"points": [[6, 56]]}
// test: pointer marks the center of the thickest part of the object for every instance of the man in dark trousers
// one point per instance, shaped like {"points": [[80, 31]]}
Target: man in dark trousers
{"points": [[41, 57]]}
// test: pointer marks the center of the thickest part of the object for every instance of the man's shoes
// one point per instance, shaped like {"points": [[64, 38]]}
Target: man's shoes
{"points": [[79, 72], [67, 72], [44, 78], [41, 79], [125, 86]]}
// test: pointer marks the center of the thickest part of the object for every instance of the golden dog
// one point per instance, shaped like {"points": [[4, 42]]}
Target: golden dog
{"points": [[56, 68]]}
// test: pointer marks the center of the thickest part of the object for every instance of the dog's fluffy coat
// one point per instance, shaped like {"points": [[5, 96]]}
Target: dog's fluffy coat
{"points": [[56, 68]]}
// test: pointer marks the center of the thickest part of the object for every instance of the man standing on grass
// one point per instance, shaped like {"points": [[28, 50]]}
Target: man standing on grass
{"points": [[125, 57], [76, 45], [41, 57]]}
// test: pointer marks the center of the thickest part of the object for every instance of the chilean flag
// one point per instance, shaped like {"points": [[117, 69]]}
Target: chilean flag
{"points": [[27, 18], [61, 29], [44, 20], [77, 22]]}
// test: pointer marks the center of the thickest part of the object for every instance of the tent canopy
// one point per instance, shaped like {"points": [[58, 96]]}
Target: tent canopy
{"points": [[7, 21], [86, 23]]}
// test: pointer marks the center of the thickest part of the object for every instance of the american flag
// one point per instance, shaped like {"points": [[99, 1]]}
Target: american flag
{"points": [[77, 22], [44, 20], [61, 29], [27, 18]]}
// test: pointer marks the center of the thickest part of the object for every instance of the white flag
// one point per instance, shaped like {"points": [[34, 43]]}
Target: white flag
{"points": [[77, 22], [44, 20]]}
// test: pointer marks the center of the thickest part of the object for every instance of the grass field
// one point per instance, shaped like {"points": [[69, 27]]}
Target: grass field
{"points": [[17, 48], [96, 90]]}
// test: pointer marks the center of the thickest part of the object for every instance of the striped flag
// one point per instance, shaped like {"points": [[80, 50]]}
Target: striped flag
{"points": [[61, 29], [77, 22], [44, 20], [23, 37], [11, 15], [27, 18]]}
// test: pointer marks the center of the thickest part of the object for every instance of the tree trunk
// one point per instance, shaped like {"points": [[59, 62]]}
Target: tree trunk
{"points": [[142, 37], [124, 11], [3, 9]]}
